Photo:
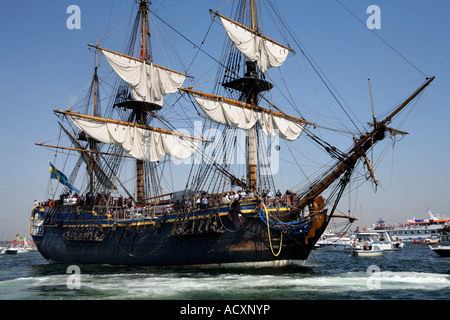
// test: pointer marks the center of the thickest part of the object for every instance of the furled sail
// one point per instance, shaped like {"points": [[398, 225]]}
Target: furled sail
{"points": [[104, 180], [242, 117], [266, 52], [146, 144], [147, 81]]}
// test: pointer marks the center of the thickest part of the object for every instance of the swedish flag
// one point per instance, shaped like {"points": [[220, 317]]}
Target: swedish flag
{"points": [[56, 174]]}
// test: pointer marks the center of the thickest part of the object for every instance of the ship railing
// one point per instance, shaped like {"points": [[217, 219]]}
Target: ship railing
{"points": [[138, 213], [101, 200], [98, 200], [121, 209]]}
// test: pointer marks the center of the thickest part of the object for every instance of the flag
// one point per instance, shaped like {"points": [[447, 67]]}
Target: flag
{"points": [[56, 174]]}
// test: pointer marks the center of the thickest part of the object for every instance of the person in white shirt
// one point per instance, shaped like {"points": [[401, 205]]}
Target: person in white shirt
{"points": [[205, 203]]}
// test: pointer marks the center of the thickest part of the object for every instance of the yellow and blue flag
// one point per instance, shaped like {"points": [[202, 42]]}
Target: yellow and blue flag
{"points": [[56, 174]]}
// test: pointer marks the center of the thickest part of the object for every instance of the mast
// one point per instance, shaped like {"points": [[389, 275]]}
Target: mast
{"points": [[92, 142], [247, 56], [141, 116], [96, 79], [250, 85], [252, 4], [252, 98], [143, 91]]}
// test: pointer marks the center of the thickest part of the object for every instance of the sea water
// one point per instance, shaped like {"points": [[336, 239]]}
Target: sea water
{"points": [[411, 273]]}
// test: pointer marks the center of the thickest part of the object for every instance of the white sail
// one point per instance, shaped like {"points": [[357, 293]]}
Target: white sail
{"points": [[244, 118], [266, 53], [147, 82], [142, 144]]}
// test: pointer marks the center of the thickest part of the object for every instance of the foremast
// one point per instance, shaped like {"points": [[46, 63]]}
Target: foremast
{"points": [[92, 142], [144, 87], [252, 99]]}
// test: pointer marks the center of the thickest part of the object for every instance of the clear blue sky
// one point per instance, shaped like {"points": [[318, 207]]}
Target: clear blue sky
{"points": [[46, 66]]}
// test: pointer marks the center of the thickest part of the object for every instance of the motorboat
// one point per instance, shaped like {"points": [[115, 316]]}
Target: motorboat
{"points": [[20, 244], [333, 242], [443, 246], [367, 251], [397, 242], [443, 251], [379, 239], [16, 250]]}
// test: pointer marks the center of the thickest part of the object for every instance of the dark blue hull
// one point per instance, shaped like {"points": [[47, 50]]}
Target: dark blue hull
{"points": [[215, 237]]}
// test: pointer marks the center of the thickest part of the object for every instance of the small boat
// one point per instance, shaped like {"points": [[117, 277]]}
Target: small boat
{"points": [[397, 242], [19, 245], [443, 251], [378, 239], [332, 242], [443, 248], [371, 251], [16, 250]]}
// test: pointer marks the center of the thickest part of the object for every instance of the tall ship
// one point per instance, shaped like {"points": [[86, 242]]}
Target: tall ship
{"points": [[119, 203]]}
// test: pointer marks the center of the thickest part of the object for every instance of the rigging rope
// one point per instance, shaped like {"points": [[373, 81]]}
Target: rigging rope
{"points": [[385, 42], [316, 67], [186, 38], [268, 231]]}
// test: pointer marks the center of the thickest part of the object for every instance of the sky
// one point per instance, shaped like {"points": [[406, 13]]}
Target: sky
{"points": [[45, 66]]}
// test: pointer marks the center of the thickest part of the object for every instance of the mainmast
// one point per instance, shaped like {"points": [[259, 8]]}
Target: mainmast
{"points": [[252, 98], [140, 113], [252, 4], [250, 86], [141, 116], [253, 53]]}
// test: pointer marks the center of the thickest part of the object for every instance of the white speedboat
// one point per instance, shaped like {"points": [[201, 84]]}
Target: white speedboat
{"points": [[16, 250], [379, 239], [19, 245], [367, 251], [332, 242], [398, 243]]}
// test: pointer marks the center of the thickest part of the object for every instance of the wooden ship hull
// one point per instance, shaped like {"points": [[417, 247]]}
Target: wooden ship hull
{"points": [[234, 234]]}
